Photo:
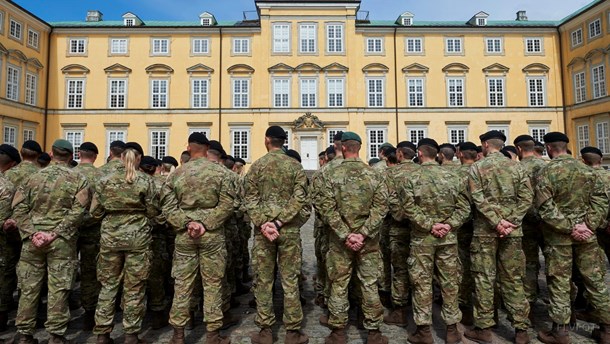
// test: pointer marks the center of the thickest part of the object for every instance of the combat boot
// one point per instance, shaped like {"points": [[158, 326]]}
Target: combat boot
{"points": [[478, 335], [228, 320], [104, 339], [521, 337], [133, 339], [453, 335], [324, 320], [214, 337], [296, 337], [397, 317], [159, 320], [265, 336], [375, 337], [178, 337], [557, 335], [88, 321], [604, 334], [337, 336], [57, 339], [422, 335], [26, 339], [3, 321]]}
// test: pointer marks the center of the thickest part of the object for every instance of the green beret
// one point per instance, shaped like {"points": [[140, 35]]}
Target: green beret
{"points": [[64, 145], [385, 146], [556, 136], [350, 135], [591, 150]]}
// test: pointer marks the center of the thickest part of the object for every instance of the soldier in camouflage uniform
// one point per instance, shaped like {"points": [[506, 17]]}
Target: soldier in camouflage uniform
{"points": [[277, 202], [502, 194], [353, 202], [572, 201], [385, 278], [48, 210], [124, 202], [446, 154], [114, 160], [197, 199]]}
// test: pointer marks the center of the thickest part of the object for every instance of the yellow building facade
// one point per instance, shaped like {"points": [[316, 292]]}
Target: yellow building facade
{"points": [[312, 67]]}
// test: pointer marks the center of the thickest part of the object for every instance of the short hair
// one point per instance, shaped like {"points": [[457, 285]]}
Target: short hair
{"points": [[330, 156], [495, 143], [148, 169], [448, 153], [61, 155], [427, 151], [229, 163], [28, 154], [276, 142], [392, 159], [407, 152], [116, 151], [214, 152], [558, 146], [352, 146], [5, 159], [539, 149], [469, 154], [527, 146], [592, 159], [87, 154]]}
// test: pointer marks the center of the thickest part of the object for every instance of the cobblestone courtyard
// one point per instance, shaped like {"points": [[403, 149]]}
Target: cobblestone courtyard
{"points": [[240, 333]]}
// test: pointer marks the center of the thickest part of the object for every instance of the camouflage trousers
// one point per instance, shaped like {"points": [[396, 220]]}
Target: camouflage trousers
{"points": [[321, 247], [603, 238], [533, 242], [233, 244], [464, 237], [424, 263], [132, 268], [158, 271], [10, 251], [503, 259], [399, 252], [286, 252], [203, 259], [587, 257], [385, 274], [88, 249], [59, 260], [342, 263]]}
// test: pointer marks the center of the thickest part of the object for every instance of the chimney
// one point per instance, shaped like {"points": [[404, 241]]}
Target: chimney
{"points": [[521, 16], [94, 16]]}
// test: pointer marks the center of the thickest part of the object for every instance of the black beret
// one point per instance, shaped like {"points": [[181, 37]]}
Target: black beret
{"points": [[407, 144], [539, 144], [468, 146], [591, 150], [338, 136], [556, 136], [522, 138], [294, 154], [148, 161], [32, 145], [215, 145], [447, 145], [479, 149], [275, 131], [240, 160], [170, 160], [199, 138], [228, 157], [44, 157], [428, 142], [89, 147], [390, 151], [118, 144], [11, 151], [511, 149], [330, 150], [506, 153], [493, 134], [135, 146], [73, 163], [321, 154]]}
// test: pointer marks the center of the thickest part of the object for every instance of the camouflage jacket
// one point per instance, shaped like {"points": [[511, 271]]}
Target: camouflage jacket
{"points": [[124, 209], [569, 193], [381, 165], [19, 174], [604, 176], [159, 220], [500, 190], [54, 199], [532, 166], [353, 199], [276, 189], [109, 167], [396, 178], [317, 181], [434, 194], [453, 164], [7, 191], [91, 173]]}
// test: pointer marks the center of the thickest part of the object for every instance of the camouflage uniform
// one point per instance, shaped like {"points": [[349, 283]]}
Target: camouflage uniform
{"points": [[125, 254], [431, 195], [53, 200], [276, 189], [232, 241], [385, 277], [603, 233], [160, 267], [464, 237], [569, 193], [500, 189], [7, 190], [353, 200], [198, 191]]}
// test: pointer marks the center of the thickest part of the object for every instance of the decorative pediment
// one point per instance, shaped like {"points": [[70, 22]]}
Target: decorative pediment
{"points": [[34, 63], [456, 68], [280, 68], [200, 68], [308, 122], [17, 55], [536, 68], [3, 49], [576, 61], [308, 67], [117, 68], [335, 67], [375, 68], [415, 68], [75, 69], [159, 68], [496, 68], [595, 52], [240, 69]]}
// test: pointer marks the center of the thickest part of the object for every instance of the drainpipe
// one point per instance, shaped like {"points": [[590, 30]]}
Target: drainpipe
{"points": [[46, 96], [396, 86], [220, 72]]}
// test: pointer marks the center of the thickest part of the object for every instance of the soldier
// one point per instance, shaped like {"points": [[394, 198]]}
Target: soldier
{"points": [[385, 279], [114, 159], [275, 196], [7, 190], [512, 152], [572, 201], [48, 210], [43, 160], [239, 166], [446, 154], [88, 241], [353, 203], [184, 157], [168, 165], [322, 158], [502, 194], [197, 200], [382, 153], [539, 149]]}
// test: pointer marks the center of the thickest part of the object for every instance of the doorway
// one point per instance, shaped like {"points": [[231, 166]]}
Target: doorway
{"points": [[309, 152]]}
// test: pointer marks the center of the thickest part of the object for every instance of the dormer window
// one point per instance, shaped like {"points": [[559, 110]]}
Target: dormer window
{"points": [[481, 21], [130, 19], [407, 21], [207, 19]]}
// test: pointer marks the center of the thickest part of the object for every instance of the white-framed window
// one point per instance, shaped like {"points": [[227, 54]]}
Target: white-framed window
{"points": [[130, 22], [414, 45], [457, 135], [241, 45], [77, 46], [159, 46], [374, 92], [205, 131], [241, 93], [376, 136], [504, 129], [240, 143], [495, 92], [117, 93], [334, 38], [159, 143], [29, 134], [206, 21], [533, 45], [330, 135], [200, 46], [416, 133], [200, 89], [15, 29], [493, 45], [281, 38], [76, 138], [407, 21], [309, 92], [455, 92], [281, 92], [535, 91], [481, 21], [10, 135], [576, 37], [114, 135], [580, 87], [374, 45], [582, 136], [75, 93], [595, 28], [598, 78], [603, 137], [33, 38], [307, 38], [454, 45], [335, 88], [159, 93], [118, 46], [415, 92], [288, 140], [13, 81], [31, 87]]}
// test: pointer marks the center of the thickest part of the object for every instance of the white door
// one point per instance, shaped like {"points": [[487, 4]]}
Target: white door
{"points": [[309, 152]]}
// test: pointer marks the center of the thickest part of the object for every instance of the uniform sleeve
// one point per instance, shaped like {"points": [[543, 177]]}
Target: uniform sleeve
{"points": [[6, 198], [461, 214], [491, 212], [252, 199], [224, 209], [525, 198], [598, 212], [73, 218], [413, 211], [170, 205], [97, 210], [22, 205], [394, 203], [547, 208], [378, 211], [329, 210], [152, 201], [298, 199]]}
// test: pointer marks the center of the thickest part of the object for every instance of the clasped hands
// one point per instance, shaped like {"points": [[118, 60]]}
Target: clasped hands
{"points": [[270, 230], [355, 242], [195, 229], [504, 228], [440, 230], [581, 232], [42, 239]]}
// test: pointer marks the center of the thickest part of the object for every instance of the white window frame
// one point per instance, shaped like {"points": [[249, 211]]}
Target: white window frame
{"points": [[308, 38], [335, 99], [29, 134], [336, 43], [580, 87], [15, 29], [495, 97], [497, 45], [10, 135], [31, 89], [481, 21], [376, 102], [160, 46], [598, 81], [503, 128], [243, 48], [288, 140], [239, 103], [129, 22], [451, 47], [376, 43], [121, 42], [330, 135], [582, 136], [281, 38], [413, 42], [33, 38], [114, 135], [75, 97], [461, 130], [540, 99], [241, 145], [116, 96], [534, 45], [407, 21], [416, 133], [202, 43], [200, 99], [13, 82], [281, 92], [413, 92], [373, 147], [537, 132], [459, 101], [162, 98], [204, 130], [76, 137], [577, 37], [595, 28], [308, 92], [75, 45], [603, 138], [158, 150]]}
